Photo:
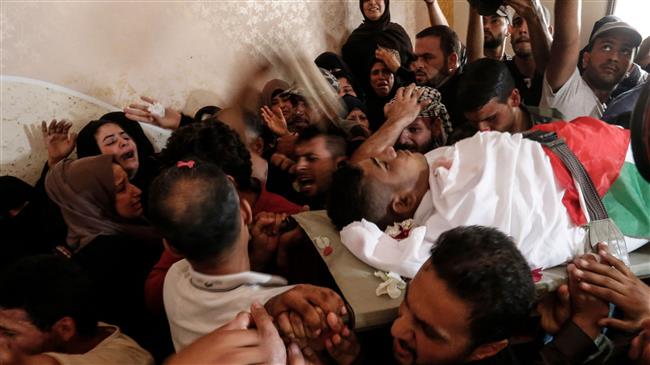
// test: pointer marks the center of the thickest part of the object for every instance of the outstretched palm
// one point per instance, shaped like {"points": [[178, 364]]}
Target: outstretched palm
{"points": [[58, 141], [275, 121]]}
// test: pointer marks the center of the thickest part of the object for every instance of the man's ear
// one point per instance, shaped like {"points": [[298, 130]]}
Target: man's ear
{"points": [[586, 56], [403, 203], [487, 350], [64, 329], [246, 212], [257, 145], [453, 60], [340, 160], [514, 100]]}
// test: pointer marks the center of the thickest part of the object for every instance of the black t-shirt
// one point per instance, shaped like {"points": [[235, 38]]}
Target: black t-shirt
{"points": [[529, 88]]}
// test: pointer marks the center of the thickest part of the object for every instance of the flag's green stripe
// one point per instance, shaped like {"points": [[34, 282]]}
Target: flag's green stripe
{"points": [[628, 202]]}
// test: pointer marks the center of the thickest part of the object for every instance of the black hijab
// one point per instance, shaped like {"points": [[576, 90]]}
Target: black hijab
{"points": [[363, 42]]}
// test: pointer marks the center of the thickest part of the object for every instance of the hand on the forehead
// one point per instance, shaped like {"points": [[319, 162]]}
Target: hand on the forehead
{"points": [[389, 57], [587, 310], [612, 281], [405, 107], [58, 140], [140, 113]]}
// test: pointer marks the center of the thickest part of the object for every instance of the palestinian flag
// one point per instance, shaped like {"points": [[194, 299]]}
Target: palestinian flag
{"points": [[604, 151]]}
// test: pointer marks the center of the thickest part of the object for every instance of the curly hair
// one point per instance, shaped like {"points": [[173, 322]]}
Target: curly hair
{"points": [[212, 141]]}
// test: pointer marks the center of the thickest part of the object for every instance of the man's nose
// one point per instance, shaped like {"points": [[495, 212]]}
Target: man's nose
{"points": [[404, 137], [484, 127], [389, 153]]}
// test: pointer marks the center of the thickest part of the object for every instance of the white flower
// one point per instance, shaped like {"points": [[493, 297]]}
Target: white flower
{"points": [[392, 284]]}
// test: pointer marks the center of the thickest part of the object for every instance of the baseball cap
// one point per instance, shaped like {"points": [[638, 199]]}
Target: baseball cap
{"points": [[619, 26]]}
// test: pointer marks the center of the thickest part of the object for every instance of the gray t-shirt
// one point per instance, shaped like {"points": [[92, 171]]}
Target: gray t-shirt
{"points": [[574, 99]]}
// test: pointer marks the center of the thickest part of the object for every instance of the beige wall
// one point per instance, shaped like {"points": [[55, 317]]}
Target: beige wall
{"points": [[186, 54], [169, 50]]}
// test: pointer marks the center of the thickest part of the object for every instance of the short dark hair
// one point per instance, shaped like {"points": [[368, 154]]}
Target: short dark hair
{"points": [[196, 209], [352, 197], [48, 288], [482, 81], [483, 267], [212, 141], [449, 41], [335, 143]]}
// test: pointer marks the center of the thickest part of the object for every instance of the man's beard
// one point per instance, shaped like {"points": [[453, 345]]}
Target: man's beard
{"points": [[437, 80], [493, 42], [599, 83]]}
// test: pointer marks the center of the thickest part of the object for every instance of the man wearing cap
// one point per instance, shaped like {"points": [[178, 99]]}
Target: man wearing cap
{"points": [[531, 42], [608, 58], [491, 42]]}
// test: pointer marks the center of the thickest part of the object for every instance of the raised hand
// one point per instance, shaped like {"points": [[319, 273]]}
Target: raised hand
{"points": [[58, 141], [141, 113], [275, 121], [405, 107]]}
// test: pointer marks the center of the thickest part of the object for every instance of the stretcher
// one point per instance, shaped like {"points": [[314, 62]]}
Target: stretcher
{"points": [[357, 282]]}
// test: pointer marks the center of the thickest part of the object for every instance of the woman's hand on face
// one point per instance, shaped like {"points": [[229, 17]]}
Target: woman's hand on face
{"points": [[58, 141], [390, 57]]}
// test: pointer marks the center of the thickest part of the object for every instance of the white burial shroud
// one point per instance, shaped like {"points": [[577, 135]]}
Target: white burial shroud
{"points": [[496, 179]]}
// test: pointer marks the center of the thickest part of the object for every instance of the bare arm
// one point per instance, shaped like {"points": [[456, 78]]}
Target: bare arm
{"points": [[474, 36], [436, 16], [399, 115], [566, 43], [540, 36]]}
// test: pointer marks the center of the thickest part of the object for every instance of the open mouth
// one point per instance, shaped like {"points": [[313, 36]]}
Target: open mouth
{"points": [[126, 156], [306, 183]]}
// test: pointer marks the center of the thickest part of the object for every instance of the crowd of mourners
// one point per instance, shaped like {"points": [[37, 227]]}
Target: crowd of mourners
{"points": [[189, 255]]}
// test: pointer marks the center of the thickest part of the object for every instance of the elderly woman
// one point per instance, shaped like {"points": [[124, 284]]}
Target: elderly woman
{"points": [[375, 31], [107, 234]]}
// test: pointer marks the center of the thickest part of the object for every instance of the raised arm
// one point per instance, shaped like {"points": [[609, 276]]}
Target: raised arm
{"points": [[566, 43], [436, 16], [474, 36], [538, 30], [399, 115]]}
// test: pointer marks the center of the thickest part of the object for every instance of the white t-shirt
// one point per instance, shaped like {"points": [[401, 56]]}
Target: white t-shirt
{"points": [[574, 99], [196, 304], [117, 348]]}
